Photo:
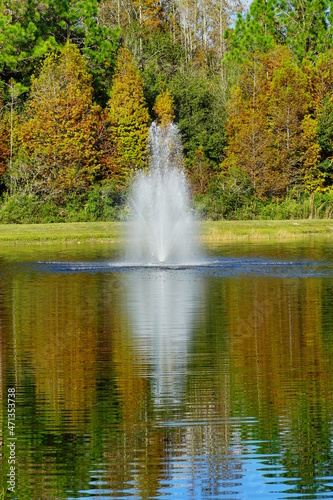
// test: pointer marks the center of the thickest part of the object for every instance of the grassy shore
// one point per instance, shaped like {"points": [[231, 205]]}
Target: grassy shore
{"points": [[81, 232], [63, 232], [265, 229]]}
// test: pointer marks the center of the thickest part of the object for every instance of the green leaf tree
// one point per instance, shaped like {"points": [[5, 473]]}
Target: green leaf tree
{"points": [[325, 133], [30, 29], [200, 114], [305, 26]]}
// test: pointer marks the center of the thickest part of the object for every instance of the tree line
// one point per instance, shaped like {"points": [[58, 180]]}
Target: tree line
{"points": [[251, 91]]}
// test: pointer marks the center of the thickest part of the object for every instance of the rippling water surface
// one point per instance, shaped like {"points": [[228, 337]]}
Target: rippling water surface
{"points": [[209, 380]]}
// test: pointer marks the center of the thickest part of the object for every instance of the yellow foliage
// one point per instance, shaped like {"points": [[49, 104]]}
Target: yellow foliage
{"points": [[4, 139], [128, 120], [313, 178], [164, 108]]}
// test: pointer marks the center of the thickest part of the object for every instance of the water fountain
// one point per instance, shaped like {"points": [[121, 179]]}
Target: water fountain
{"points": [[163, 233], [163, 229]]}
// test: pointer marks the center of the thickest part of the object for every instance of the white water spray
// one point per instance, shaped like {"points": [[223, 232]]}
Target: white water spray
{"points": [[163, 229]]}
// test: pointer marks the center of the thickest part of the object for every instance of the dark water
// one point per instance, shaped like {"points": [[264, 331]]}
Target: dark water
{"points": [[213, 381]]}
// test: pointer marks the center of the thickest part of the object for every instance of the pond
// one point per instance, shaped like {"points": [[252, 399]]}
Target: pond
{"points": [[212, 381]]}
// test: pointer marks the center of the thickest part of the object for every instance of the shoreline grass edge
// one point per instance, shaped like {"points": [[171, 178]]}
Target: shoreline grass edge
{"points": [[113, 232]]}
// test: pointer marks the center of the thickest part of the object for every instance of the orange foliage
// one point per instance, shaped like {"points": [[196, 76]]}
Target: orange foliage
{"points": [[264, 126], [150, 13], [289, 102], [247, 121], [59, 134]]}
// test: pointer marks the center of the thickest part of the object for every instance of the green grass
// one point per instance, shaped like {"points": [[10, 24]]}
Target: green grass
{"points": [[266, 229], [61, 232], [210, 231]]}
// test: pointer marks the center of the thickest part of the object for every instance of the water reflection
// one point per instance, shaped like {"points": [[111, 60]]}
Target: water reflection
{"points": [[163, 306], [168, 383]]}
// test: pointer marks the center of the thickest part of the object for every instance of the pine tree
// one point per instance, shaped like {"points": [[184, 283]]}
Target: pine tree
{"points": [[29, 29], [58, 139], [15, 36], [128, 120], [306, 25], [256, 34]]}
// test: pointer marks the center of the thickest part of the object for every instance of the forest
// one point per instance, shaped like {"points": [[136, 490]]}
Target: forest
{"points": [[249, 86]]}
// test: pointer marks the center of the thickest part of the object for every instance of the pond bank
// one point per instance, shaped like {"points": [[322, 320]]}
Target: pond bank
{"points": [[112, 232], [76, 232], [265, 229]]}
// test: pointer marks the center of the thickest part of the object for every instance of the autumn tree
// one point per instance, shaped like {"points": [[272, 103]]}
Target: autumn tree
{"points": [[200, 173], [202, 28], [246, 126], [313, 177], [57, 153], [124, 13], [288, 103], [198, 28], [320, 81], [264, 125], [164, 108], [128, 121], [4, 141]]}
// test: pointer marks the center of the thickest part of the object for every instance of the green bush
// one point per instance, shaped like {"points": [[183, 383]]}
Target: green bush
{"points": [[227, 193], [228, 197], [27, 209], [101, 203], [105, 202], [225, 201]]}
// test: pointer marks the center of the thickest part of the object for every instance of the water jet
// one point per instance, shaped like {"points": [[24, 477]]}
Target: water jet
{"points": [[163, 229]]}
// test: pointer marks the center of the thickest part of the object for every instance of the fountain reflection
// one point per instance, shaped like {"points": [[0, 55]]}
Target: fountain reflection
{"points": [[163, 306]]}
